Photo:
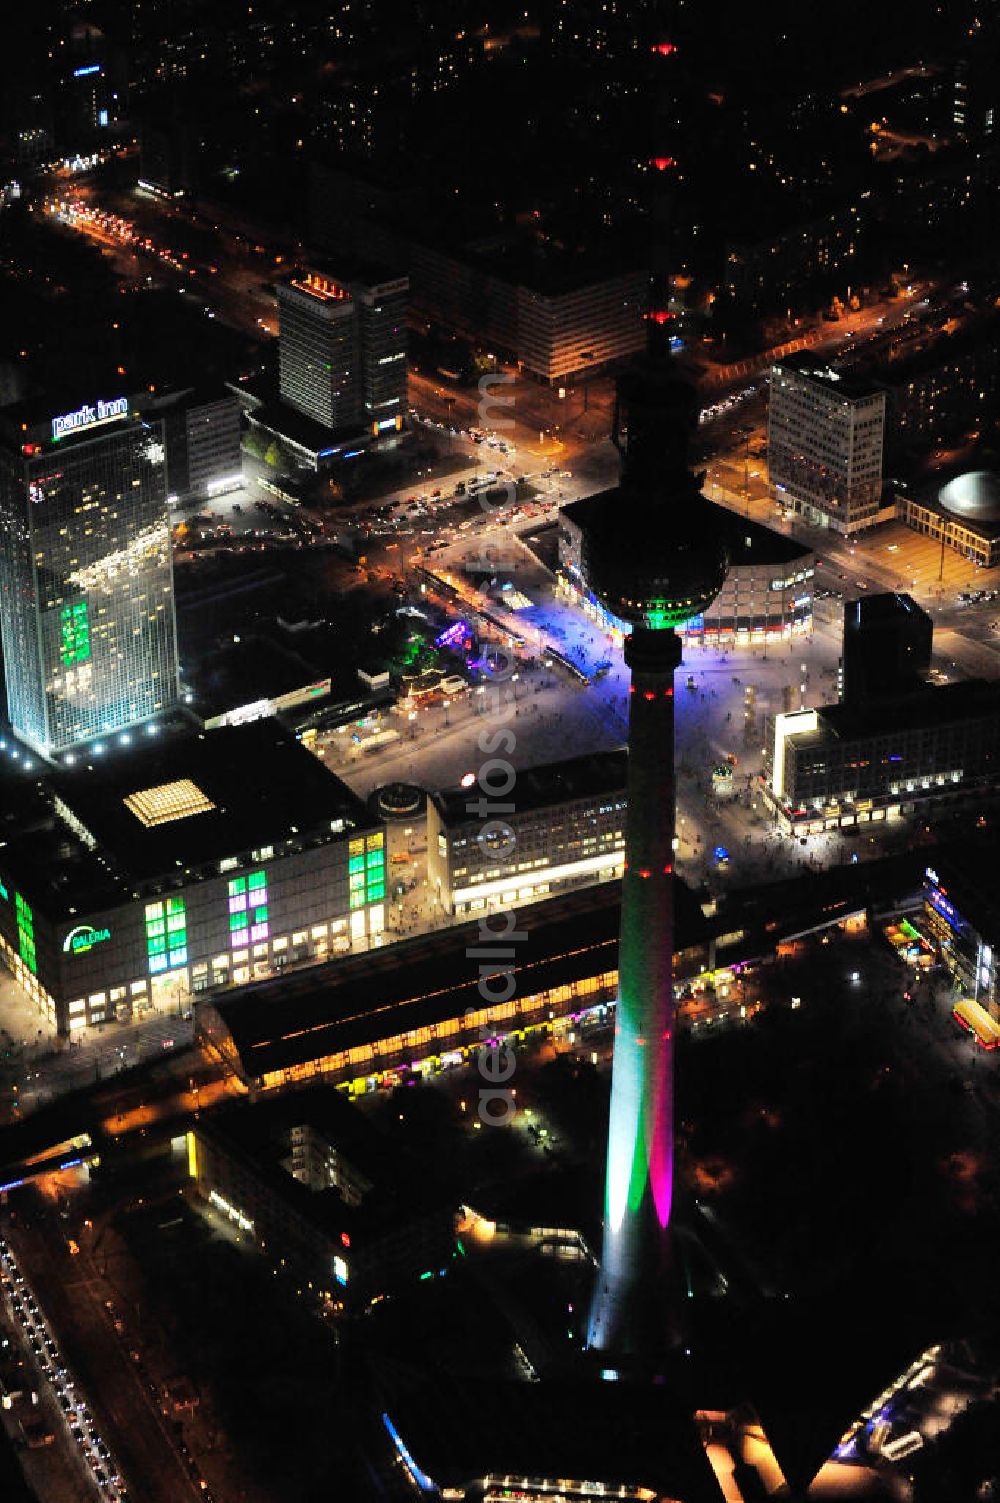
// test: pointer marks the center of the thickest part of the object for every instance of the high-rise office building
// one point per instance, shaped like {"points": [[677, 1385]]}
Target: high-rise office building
{"points": [[342, 350], [87, 606], [887, 648], [381, 308], [318, 354], [825, 442]]}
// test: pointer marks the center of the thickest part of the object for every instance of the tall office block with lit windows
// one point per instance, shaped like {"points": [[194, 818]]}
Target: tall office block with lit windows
{"points": [[318, 354], [825, 441], [86, 581], [342, 349]]}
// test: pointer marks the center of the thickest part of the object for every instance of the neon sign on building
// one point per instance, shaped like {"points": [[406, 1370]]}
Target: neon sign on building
{"points": [[84, 937], [90, 415]]}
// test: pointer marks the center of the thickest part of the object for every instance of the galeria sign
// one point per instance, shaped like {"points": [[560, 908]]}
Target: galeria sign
{"points": [[84, 937]]}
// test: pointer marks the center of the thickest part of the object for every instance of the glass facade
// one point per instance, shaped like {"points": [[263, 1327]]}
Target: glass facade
{"points": [[366, 870], [166, 935], [318, 353], [26, 933], [248, 915], [86, 585]]}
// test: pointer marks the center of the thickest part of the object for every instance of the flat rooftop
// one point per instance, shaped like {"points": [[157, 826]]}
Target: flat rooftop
{"points": [[312, 437], [359, 1000], [886, 607], [851, 388], [252, 669], [934, 705], [540, 787], [259, 1134], [344, 276], [165, 809]]}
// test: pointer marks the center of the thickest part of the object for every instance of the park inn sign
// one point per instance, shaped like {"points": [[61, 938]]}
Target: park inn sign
{"points": [[89, 416], [84, 937]]}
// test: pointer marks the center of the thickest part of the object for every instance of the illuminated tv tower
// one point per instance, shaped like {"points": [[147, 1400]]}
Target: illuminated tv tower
{"points": [[650, 557]]}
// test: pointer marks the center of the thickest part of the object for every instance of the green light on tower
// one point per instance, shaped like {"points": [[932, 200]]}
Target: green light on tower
{"points": [[74, 633]]}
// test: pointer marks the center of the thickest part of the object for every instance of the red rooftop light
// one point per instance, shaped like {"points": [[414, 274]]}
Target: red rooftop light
{"points": [[663, 48], [662, 163]]}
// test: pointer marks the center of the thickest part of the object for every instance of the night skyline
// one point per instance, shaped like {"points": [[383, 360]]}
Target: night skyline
{"points": [[499, 752]]}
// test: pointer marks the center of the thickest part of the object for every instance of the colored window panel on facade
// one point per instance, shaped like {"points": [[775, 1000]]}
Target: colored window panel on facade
{"points": [[26, 933], [248, 910], [166, 935], [74, 624], [374, 868]]}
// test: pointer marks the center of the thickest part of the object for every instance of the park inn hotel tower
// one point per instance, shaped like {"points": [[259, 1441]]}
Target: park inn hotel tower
{"points": [[86, 582]]}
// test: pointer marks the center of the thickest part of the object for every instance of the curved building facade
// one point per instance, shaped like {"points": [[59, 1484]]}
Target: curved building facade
{"points": [[963, 514], [767, 594]]}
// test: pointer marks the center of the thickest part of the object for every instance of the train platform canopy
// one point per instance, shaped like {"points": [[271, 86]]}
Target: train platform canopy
{"points": [[360, 1000]]}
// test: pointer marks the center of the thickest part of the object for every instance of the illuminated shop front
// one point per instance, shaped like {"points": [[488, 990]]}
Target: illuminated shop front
{"points": [[963, 919], [213, 861]]}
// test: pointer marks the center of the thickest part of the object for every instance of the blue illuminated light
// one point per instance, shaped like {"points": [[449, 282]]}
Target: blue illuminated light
{"points": [[452, 635], [420, 1477], [84, 72]]}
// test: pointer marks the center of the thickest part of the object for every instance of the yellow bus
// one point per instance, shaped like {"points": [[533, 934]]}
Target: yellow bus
{"points": [[974, 1018]]}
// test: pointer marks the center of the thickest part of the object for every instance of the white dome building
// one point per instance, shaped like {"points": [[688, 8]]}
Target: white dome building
{"points": [[964, 513]]}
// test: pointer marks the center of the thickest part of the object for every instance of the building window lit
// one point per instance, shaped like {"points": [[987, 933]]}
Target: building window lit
{"points": [[26, 933], [248, 915], [166, 935]]}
